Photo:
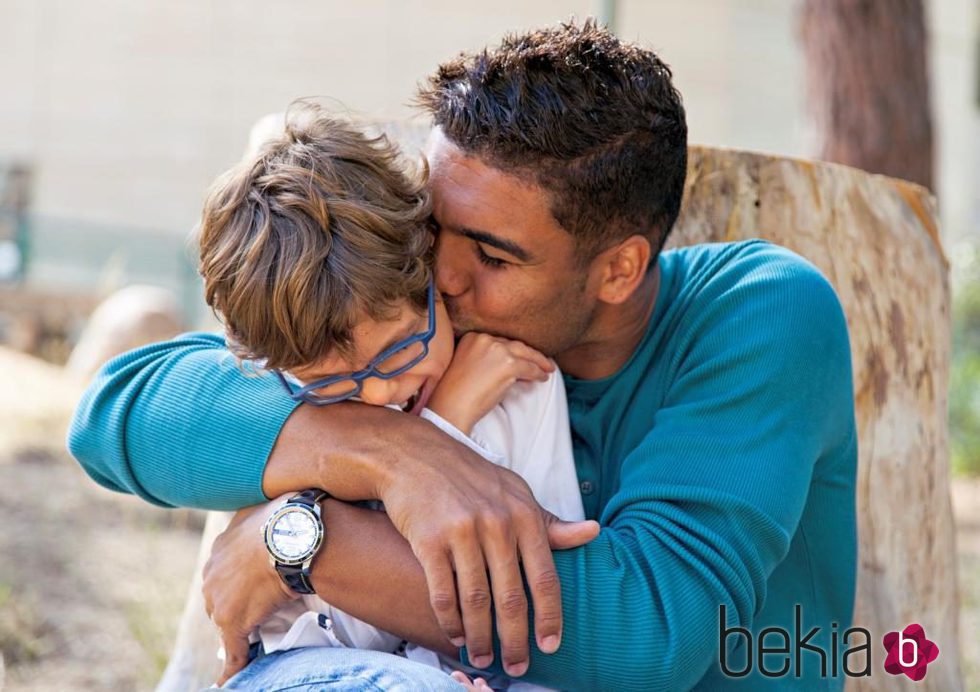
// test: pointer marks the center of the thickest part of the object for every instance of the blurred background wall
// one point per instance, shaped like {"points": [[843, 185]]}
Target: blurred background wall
{"points": [[125, 111]]}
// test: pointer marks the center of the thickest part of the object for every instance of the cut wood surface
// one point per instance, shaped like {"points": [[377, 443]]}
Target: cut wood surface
{"points": [[877, 241]]}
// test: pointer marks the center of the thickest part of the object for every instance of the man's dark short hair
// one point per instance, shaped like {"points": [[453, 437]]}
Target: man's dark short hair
{"points": [[594, 121]]}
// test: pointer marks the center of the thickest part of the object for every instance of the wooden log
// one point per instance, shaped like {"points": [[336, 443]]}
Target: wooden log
{"points": [[877, 241]]}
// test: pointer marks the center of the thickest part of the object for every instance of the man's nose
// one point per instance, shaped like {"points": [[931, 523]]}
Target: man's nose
{"points": [[378, 392], [451, 278]]}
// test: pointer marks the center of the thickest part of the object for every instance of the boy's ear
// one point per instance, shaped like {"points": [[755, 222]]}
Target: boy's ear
{"points": [[623, 267]]}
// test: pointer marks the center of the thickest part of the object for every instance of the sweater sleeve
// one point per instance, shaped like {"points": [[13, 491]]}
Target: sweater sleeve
{"points": [[180, 423], [709, 500]]}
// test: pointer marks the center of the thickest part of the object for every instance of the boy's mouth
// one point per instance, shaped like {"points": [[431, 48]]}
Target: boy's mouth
{"points": [[417, 401], [410, 402]]}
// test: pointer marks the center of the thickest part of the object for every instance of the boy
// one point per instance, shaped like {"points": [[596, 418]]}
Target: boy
{"points": [[316, 253]]}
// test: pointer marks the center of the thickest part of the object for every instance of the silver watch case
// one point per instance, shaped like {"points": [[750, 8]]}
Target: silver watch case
{"points": [[289, 507]]}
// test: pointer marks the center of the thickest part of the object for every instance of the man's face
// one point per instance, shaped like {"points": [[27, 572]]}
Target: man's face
{"points": [[504, 264]]}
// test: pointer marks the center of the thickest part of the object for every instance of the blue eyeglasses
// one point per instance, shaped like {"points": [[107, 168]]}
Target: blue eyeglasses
{"points": [[398, 358]]}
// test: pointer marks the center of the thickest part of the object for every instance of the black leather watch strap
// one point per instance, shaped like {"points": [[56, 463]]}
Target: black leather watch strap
{"points": [[296, 578], [309, 497]]}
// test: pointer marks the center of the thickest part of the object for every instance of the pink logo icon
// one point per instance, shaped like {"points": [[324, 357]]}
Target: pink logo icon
{"points": [[909, 652]]}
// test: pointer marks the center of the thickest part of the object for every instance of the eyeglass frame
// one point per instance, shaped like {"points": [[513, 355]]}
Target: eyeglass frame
{"points": [[305, 393]]}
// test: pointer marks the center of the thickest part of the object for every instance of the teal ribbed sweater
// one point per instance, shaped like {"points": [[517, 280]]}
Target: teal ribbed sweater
{"points": [[720, 461]]}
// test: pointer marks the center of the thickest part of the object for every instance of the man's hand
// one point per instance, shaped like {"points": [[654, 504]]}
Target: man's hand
{"points": [[483, 368], [473, 526], [464, 519], [241, 588]]}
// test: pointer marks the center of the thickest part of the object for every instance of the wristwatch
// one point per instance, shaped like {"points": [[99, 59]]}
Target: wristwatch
{"points": [[293, 536]]}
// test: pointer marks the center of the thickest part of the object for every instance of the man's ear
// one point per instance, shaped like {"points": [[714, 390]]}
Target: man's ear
{"points": [[623, 268]]}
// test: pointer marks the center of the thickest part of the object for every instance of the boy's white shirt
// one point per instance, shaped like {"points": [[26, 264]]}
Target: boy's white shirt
{"points": [[528, 433]]}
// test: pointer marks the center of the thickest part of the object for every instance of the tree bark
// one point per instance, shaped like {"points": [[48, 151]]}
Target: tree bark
{"points": [[867, 83]]}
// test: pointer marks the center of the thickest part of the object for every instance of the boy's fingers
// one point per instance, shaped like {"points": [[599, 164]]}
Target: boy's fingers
{"points": [[462, 679], [476, 685], [522, 350], [529, 370]]}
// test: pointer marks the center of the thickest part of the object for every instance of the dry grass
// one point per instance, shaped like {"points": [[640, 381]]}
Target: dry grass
{"points": [[91, 582]]}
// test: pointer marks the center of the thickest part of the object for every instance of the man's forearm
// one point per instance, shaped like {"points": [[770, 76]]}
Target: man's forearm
{"points": [[368, 570], [347, 449]]}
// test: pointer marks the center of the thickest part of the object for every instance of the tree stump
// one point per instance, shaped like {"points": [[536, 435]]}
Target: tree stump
{"points": [[877, 241]]}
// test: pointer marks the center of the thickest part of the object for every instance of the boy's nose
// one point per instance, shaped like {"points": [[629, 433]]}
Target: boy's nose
{"points": [[378, 392]]}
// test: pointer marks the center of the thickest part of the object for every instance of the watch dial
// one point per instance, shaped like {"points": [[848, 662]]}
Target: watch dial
{"points": [[294, 534]]}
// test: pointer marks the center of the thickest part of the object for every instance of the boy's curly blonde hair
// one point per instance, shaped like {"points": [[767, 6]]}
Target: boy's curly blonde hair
{"points": [[321, 229]]}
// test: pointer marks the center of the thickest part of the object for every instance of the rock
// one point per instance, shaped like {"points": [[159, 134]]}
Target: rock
{"points": [[194, 663], [131, 317]]}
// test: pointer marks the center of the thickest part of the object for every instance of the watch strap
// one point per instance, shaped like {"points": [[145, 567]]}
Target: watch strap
{"points": [[297, 578], [310, 497]]}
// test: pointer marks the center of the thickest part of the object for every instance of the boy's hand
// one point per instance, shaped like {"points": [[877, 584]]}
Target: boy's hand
{"points": [[474, 685], [483, 368]]}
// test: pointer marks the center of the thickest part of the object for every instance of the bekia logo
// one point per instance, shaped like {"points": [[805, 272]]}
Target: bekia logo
{"points": [[776, 652], [909, 652]]}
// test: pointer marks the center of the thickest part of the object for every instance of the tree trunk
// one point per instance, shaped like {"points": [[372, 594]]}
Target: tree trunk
{"points": [[868, 88]]}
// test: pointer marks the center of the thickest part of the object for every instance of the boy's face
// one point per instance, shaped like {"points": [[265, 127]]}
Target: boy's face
{"points": [[504, 264], [410, 390]]}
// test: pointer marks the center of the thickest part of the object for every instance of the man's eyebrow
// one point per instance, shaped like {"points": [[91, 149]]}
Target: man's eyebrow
{"points": [[507, 246]]}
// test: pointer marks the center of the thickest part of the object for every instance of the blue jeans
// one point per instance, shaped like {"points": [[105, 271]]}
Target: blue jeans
{"points": [[322, 668]]}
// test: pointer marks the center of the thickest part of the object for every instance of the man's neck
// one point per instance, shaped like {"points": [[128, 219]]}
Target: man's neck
{"points": [[614, 334]]}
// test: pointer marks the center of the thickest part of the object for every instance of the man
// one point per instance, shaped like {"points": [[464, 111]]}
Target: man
{"points": [[709, 392]]}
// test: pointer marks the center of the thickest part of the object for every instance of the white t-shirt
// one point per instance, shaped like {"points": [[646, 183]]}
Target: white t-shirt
{"points": [[527, 433]]}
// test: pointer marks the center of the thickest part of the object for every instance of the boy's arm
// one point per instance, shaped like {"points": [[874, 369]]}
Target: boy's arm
{"points": [[531, 429], [483, 369]]}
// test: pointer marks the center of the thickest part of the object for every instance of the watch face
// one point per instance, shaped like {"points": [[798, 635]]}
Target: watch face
{"points": [[293, 535]]}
